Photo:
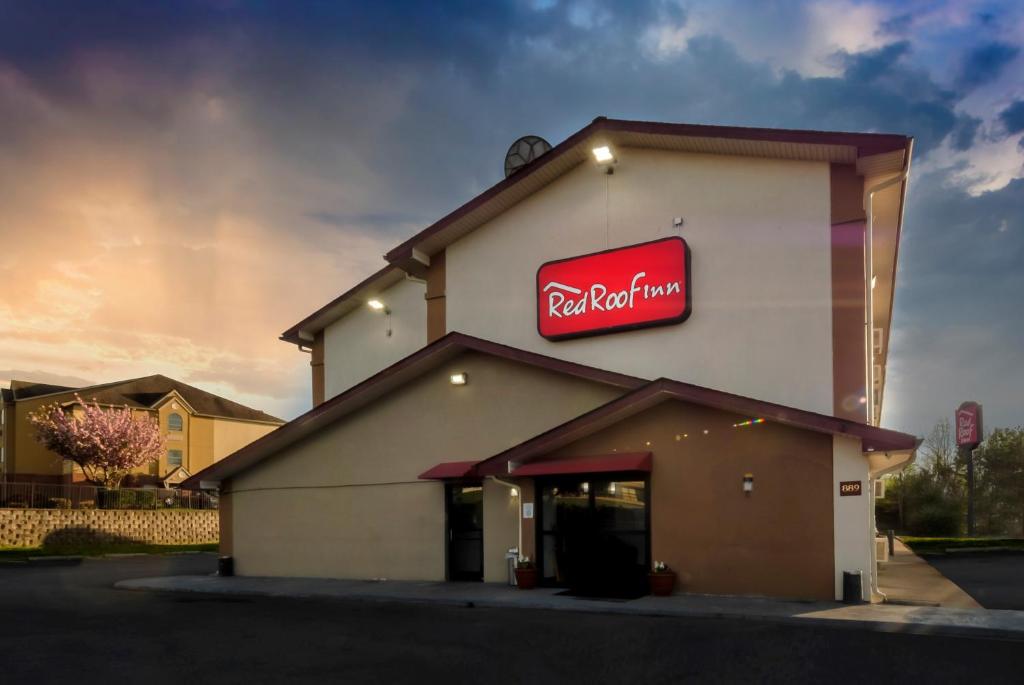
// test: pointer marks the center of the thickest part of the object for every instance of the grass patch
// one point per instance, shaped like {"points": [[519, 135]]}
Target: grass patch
{"points": [[940, 545], [98, 549]]}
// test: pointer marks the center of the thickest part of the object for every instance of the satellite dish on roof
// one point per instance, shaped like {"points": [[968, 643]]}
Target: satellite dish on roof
{"points": [[524, 151]]}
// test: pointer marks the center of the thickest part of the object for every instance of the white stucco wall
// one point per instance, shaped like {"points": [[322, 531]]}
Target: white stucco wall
{"points": [[357, 345], [852, 516], [347, 502], [759, 236]]}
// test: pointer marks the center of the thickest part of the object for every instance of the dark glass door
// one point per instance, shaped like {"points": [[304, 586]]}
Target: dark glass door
{"points": [[594, 536], [465, 513]]}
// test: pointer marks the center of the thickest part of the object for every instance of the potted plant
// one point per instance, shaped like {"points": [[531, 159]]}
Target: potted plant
{"points": [[526, 573], [663, 579]]}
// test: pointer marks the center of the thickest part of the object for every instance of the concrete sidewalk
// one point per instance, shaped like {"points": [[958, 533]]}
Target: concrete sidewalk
{"points": [[908, 579], [886, 618]]}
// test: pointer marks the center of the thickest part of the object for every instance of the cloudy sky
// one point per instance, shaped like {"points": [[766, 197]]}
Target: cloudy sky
{"points": [[179, 183]]}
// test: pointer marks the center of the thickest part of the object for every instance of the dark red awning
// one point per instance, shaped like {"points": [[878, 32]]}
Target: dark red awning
{"points": [[449, 469], [605, 463]]}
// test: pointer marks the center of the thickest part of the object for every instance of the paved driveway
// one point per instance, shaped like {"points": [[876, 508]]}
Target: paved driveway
{"points": [[68, 625], [996, 580]]}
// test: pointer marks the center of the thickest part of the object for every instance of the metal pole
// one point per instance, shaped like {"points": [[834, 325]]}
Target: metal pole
{"points": [[968, 456], [892, 544]]}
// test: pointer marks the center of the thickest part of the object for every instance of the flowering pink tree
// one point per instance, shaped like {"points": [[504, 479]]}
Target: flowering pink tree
{"points": [[106, 443]]}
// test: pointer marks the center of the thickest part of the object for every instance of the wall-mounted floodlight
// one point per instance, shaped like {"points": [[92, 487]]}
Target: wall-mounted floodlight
{"points": [[603, 154], [604, 158], [378, 306], [460, 378]]}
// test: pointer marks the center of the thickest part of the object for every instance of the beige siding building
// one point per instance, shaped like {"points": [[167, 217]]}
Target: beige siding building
{"points": [[651, 342], [199, 428]]}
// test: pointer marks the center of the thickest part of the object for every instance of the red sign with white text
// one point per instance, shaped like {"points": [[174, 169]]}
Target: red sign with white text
{"points": [[615, 290], [968, 424]]}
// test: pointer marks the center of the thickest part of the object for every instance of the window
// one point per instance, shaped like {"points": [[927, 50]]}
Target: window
{"points": [[174, 457], [174, 422]]}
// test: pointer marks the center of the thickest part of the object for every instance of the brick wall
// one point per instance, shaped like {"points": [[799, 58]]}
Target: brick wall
{"points": [[34, 527]]}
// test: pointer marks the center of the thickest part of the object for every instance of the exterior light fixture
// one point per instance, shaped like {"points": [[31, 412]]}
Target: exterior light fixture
{"points": [[603, 154], [514, 492], [611, 488], [604, 158], [378, 306], [586, 487], [748, 482], [459, 378]]}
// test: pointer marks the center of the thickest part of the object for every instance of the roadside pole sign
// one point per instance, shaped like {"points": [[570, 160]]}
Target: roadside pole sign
{"points": [[968, 425], [968, 436]]}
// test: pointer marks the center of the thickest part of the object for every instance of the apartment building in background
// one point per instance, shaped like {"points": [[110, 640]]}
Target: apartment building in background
{"points": [[199, 428]]}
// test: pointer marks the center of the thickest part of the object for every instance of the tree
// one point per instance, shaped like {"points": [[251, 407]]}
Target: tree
{"points": [[940, 459], [927, 497], [1000, 461], [106, 443]]}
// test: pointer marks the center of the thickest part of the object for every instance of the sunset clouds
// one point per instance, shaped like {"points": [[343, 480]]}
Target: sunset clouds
{"points": [[180, 184]]}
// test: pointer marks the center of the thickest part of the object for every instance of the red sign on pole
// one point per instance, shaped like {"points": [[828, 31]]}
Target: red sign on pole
{"points": [[615, 290], [968, 424]]}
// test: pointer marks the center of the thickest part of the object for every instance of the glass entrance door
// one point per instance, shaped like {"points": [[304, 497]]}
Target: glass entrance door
{"points": [[465, 514], [594, 536]]}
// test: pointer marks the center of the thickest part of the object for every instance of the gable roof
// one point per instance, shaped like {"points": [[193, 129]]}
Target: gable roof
{"points": [[24, 390], [148, 391], [391, 378], [873, 154], [302, 333], [663, 389], [641, 395]]}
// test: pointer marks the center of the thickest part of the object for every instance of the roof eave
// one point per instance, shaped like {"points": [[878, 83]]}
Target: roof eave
{"points": [[303, 333], [863, 144], [357, 396]]}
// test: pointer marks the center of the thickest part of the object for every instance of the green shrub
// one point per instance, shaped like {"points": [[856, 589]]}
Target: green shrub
{"points": [[936, 518]]}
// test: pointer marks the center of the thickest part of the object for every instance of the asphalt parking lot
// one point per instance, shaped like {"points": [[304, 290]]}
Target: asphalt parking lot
{"points": [[68, 624], [995, 580]]}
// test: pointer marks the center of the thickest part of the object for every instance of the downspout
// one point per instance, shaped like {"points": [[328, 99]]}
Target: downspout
{"points": [[869, 268], [519, 517]]}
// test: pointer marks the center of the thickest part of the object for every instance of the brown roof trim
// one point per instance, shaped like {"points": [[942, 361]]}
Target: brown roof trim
{"points": [[647, 396], [358, 395], [866, 144], [292, 334], [896, 258]]}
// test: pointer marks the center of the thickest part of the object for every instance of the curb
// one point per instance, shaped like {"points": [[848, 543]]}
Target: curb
{"points": [[872, 625], [56, 560]]}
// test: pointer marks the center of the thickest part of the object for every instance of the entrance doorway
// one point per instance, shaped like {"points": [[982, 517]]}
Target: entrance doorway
{"points": [[464, 509], [594, 534]]}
